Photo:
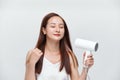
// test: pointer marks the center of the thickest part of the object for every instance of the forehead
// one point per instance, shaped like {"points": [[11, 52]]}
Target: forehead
{"points": [[55, 20]]}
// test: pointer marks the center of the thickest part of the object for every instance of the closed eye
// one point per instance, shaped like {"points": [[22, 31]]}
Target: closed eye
{"points": [[52, 26], [61, 26]]}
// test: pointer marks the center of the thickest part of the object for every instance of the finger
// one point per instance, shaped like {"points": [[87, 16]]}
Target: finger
{"points": [[84, 56], [37, 52], [90, 55], [88, 63], [90, 58]]}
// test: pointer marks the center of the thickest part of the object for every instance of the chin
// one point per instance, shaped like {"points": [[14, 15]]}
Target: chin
{"points": [[57, 39]]}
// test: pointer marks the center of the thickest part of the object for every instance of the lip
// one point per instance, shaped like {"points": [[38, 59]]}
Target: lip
{"points": [[56, 34]]}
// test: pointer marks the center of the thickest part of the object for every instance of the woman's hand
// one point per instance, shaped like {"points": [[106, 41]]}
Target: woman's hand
{"points": [[33, 56], [89, 61]]}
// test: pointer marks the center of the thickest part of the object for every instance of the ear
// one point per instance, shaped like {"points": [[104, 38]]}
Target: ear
{"points": [[44, 30]]}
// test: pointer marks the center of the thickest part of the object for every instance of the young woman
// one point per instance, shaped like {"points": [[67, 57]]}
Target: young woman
{"points": [[53, 57]]}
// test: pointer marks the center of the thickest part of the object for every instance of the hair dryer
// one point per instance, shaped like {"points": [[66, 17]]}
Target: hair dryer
{"points": [[89, 46]]}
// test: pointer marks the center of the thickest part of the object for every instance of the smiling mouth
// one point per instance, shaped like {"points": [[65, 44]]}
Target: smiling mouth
{"points": [[57, 34]]}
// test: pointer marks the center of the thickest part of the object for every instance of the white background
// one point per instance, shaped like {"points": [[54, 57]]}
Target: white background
{"points": [[96, 20]]}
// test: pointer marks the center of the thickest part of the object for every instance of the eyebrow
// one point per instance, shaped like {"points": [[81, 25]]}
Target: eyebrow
{"points": [[55, 23]]}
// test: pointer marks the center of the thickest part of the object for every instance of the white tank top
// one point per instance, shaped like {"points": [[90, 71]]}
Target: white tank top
{"points": [[51, 71]]}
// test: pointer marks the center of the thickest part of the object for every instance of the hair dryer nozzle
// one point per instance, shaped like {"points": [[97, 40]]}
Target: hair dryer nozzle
{"points": [[96, 46], [86, 44]]}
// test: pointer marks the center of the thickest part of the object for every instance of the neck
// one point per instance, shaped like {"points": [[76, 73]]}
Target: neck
{"points": [[52, 47]]}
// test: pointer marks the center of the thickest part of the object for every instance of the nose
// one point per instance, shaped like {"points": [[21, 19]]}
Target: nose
{"points": [[57, 29]]}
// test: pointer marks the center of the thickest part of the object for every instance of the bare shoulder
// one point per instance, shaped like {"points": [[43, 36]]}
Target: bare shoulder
{"points": [[73, 59]]}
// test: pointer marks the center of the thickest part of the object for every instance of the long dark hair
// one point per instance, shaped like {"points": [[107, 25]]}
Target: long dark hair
{"points": [[65, 46]]}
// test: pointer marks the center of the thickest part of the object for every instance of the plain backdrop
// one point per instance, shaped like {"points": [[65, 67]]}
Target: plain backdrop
{"points": [[95, 20]]}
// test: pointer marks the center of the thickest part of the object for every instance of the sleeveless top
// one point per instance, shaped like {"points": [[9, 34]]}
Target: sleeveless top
{"points": [[51, 71]]}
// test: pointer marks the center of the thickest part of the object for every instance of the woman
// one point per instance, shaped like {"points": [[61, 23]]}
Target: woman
{"points": [[53, 57]]}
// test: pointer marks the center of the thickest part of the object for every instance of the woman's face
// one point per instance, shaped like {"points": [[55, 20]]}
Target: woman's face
{"points": [[54, 29]]}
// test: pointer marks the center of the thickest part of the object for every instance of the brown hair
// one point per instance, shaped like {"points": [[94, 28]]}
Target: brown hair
{"points": [[65, 46]]}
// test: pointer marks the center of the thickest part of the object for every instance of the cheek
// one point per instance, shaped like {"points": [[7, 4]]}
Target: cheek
{"points": [[49, 31], [63, 32]]}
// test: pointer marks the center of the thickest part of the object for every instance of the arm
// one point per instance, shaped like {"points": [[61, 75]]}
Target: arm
{"points": [[30, 72], [31, 59], [75, 74]]}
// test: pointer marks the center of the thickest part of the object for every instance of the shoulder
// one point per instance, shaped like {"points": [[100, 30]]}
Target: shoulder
{"points": [[73, 59]]}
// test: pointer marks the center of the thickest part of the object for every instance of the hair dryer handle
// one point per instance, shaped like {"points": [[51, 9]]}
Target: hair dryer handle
{"points": [[87, 53]]}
